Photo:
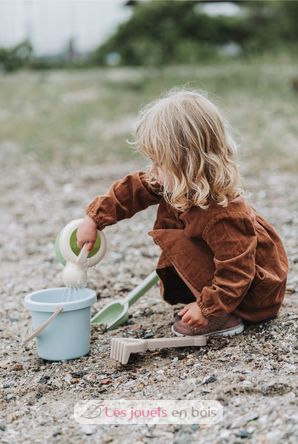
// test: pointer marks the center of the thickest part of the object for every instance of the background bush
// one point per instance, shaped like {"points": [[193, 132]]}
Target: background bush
{"points": [[179, 32]]}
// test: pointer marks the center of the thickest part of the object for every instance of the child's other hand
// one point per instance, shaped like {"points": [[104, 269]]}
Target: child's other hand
{"points": [[86, 233], [192, 315]]}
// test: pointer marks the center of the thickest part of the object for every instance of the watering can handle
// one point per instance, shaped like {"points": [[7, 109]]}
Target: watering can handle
{"points": [[41, 327]]}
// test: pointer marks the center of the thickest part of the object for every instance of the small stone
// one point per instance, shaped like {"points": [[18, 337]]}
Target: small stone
{"points": [[225, 434], [57, 433], [106, 381], [290, 289], [75, 380], [4, 364], [243, 433], [141, 332], [107, 439], [102, 389], [246, 383], [101, 328], [244, 419], [78, 374], [68, 377], [90, 377], [44, 379], [135, 327], [148, 311], [17, 367], [88, 429], [184, 438], [11, 418], [210, 379]]}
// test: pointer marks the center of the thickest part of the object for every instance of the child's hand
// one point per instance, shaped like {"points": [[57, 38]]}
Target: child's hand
{"points": [[192, 315], [87, 233]]}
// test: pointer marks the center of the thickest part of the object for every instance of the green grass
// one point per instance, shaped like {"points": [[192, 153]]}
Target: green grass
{"points": [[86, 116]]}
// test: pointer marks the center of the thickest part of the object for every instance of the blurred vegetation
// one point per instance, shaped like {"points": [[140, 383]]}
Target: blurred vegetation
{"points": [[85, 116], [179, 32], [76, 117], [22, 56], [18, 57], [163, 32]]}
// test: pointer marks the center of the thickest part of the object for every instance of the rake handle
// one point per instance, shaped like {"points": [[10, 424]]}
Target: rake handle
{"points": [[158, 343]]}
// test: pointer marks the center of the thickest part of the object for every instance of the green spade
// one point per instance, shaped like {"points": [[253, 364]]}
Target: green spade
{"points": [[116, 313]]}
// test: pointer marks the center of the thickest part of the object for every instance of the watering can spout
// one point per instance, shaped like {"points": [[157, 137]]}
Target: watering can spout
{"points": [[74, 275]]}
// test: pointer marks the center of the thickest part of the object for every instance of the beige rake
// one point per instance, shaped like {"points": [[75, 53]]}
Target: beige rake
{"points": [[121, 348]]}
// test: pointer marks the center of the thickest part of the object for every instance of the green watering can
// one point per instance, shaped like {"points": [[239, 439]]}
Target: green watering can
{"points": [[76, 262]]}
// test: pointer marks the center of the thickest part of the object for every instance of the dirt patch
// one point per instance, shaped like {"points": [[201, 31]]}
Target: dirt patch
{"points": [[252, 375]]}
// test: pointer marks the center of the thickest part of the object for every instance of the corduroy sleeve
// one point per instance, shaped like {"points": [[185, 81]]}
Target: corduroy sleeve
{"points": [[124, 198], [233, 240]]}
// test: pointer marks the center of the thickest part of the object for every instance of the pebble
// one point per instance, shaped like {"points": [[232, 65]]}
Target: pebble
{"points": [[243, 420], [209, 379], [87, 429], [101, 328], [243, 434], [105, 381], [44, 379], [17, 367], [78, 374]]}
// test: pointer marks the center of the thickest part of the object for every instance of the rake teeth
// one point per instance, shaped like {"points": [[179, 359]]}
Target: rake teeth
{"points": [[125, 353], [121, 348], [116, 348], [113, 345]]}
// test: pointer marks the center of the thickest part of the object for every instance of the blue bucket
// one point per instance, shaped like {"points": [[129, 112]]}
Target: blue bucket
{"points": [[61, 321]]}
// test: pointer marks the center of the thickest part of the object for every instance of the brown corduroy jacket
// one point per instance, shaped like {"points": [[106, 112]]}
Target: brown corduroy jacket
{"points": [[230, 257]]}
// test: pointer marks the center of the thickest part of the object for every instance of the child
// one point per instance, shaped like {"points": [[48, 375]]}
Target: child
{"points": [[219, 256]]}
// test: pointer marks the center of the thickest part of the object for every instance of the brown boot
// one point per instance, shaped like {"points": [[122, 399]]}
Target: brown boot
{"points": [[224, 325]]}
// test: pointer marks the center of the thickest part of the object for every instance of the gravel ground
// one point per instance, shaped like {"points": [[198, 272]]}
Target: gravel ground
{"points": [[252, 375]]}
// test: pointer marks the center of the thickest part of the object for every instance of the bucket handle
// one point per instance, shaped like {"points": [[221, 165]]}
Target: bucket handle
{"points": [[42, 326]]}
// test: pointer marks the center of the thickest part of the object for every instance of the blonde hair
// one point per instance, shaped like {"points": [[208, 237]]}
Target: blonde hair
{"points": [[186, 135]]}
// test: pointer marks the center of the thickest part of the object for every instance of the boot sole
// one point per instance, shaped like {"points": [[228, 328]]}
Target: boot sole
{"points": [[227, 332]]}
